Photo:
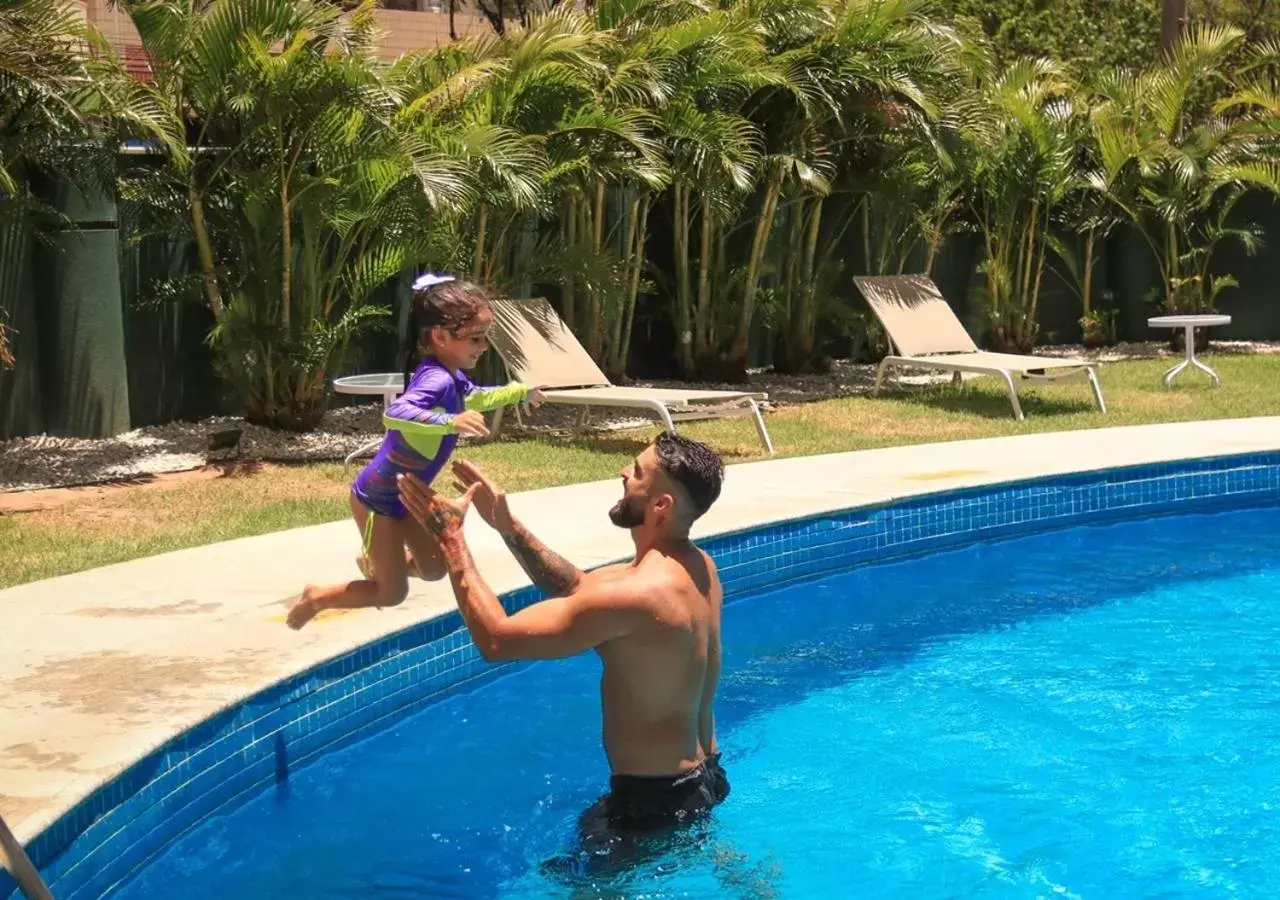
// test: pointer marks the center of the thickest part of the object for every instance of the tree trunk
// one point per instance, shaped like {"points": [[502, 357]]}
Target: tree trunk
{"points": [[286, 260], [1032, 327], [204, 250], [596, 313], [1172, 270], [866, 236], [684, 332], [783, 360], [701, 322], [623, 349], [1173, 20], [570, 237], [1086, 288], [786, 359], [809, 294], [497, 254], [1027, 300], [634, 270], [494, 15], [931, 253], [615, 332], [738, 352], [477, 269]]}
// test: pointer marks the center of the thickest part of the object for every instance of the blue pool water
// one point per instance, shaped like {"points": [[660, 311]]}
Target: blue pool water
{"points": [[1086, 713]]}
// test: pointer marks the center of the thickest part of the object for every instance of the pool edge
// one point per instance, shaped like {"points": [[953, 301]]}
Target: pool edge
{"points": [[312, 690]]}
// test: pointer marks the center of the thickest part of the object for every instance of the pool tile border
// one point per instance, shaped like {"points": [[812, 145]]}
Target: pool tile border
{"points": [[248, 747]]}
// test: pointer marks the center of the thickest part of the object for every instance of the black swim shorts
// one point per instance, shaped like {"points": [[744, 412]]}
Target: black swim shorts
{"points": [[641, 813]]}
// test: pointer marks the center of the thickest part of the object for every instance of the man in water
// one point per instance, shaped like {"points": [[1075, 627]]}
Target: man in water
{"points": [[655, 623]]}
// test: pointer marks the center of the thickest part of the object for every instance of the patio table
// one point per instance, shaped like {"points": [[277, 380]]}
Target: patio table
{"points": [[1190, 324], [388, 385]]}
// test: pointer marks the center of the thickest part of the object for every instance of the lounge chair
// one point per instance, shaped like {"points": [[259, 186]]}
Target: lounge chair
{"points": [[924, 333], [539, 349]]}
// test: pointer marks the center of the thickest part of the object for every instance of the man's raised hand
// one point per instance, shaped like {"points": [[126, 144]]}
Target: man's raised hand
{"points": [[490, 500], [437, 514]]}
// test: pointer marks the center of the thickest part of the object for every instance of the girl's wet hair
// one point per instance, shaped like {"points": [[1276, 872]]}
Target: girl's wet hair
{"points": [[445, 304]]}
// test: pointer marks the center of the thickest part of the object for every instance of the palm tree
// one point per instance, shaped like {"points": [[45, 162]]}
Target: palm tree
{"points": [[605, 166], [1019, 163], [1101, 196], [309, 184], [881, 80], [573, 99], [714, 60], [1190, 160]]}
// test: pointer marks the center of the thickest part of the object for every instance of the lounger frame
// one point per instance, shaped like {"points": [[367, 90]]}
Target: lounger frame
{"points": [[925, 334], [539, 349]]}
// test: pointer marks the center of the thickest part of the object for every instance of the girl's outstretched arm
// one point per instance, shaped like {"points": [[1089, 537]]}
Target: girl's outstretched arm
{"points": [[421, 401], [484, 399]]}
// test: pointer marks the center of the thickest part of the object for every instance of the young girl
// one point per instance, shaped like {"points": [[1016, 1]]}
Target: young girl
{"points": [[450, 320]]}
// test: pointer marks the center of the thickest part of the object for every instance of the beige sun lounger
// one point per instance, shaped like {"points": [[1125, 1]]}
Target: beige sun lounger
{"points": [[924, 333], [539, 349]]}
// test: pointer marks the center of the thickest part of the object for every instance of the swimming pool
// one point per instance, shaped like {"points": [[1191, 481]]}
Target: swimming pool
{"points": [[262, 743], [1083, 712]]}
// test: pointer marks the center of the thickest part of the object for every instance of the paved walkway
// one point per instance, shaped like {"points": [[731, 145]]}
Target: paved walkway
{"points": [[102, 666]]}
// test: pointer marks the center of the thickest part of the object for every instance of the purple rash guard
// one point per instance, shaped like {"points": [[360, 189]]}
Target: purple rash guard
{"points": [[434, 397]]}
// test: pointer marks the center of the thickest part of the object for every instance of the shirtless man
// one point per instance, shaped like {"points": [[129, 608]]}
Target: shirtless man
{"points": [[655, 623]]}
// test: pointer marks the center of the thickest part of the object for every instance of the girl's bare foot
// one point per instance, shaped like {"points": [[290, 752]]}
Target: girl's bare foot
{"points": [[302, 612]]}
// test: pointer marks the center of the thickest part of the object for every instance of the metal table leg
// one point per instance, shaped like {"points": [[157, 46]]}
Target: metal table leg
{"points": [[387, 398], [1190, 361], [360, 451]]}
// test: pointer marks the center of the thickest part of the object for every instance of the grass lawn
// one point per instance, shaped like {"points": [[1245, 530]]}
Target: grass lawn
{"points": [[114, 524]]}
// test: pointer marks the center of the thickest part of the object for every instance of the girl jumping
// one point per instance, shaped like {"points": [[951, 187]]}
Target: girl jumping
{"points": [[450, 320]]}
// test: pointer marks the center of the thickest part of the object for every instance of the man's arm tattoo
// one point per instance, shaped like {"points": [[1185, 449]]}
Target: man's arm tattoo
{"points": [[480, 608], [439, 517], [551, 572]]}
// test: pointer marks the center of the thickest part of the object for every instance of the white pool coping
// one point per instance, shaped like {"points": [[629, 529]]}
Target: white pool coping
{"points": [[100, 667]]}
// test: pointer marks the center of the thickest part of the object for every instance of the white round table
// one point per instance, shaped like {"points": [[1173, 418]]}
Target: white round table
{"points": [[1189, 324], [387, 385]]}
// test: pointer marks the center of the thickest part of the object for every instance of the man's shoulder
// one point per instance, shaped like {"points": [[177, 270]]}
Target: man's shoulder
{"points": [[624, 584], [611, 572], [653, 572], [616, 575], [662, 573], [707, 558]]}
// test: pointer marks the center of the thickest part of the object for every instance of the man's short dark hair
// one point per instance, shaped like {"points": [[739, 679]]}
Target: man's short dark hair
{"points": [[694, 465]]}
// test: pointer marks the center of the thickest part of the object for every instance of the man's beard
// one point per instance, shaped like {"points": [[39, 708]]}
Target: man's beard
{"points": [[627, 513]]}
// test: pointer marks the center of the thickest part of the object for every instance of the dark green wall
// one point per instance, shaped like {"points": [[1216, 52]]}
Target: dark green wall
{"points": [[62, 288], [170, 366], [1124, 265], [21, 404], [94, 358], [80, 319]]}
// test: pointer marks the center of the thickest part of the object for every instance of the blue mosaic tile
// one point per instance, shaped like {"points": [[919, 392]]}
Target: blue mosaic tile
{"points": [[246, 749]]}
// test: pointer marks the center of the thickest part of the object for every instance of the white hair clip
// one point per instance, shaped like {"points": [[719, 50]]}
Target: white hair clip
{"points": [[428, 280]]}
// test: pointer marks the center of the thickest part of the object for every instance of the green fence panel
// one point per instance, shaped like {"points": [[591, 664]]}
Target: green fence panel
{"points": [[21, 410], [1254, 307], [171, 375], [81, 321]]}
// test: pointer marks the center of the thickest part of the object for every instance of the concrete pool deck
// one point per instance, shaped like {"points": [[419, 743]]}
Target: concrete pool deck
{"points": [[102, 666]]}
